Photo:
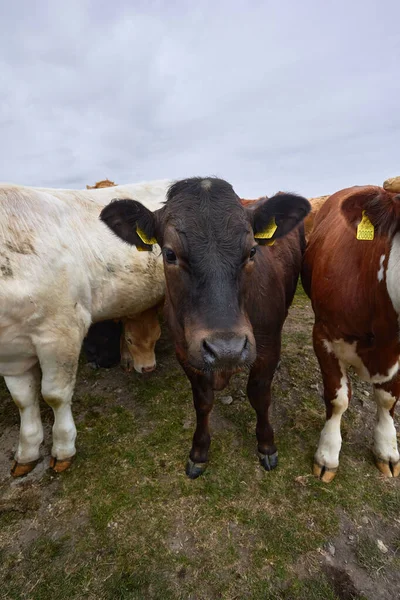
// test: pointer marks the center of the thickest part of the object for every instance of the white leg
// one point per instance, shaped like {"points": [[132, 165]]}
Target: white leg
{"points": [[385, 439], [59, 363], [330, 442], [24, 390]]}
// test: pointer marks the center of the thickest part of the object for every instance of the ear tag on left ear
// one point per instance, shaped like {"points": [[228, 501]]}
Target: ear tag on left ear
{"points": [[144, 237], [365, 230], [268, 231]]}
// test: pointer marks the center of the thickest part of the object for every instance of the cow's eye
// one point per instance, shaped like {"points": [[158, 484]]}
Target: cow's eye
{"points": [[170, 255], [253, 252]]}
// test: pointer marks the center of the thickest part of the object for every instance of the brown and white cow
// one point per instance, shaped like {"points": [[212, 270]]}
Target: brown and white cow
{"points": [[62, 269], [227, 297], [354, 286]]}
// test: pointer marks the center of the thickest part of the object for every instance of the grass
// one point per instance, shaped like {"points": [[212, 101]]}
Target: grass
{"points": [[124, 522]]}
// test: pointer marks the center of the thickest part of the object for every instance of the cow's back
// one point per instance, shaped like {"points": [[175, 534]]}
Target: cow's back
{"points": [[56, 252]]}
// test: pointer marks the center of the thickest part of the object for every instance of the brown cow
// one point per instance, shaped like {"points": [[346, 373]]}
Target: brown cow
{"points": [[316, 204], [354, 286], [101, 184], [139, 336], [227, 297]]}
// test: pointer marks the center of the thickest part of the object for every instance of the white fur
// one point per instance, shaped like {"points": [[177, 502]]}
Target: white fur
{"points": [[393, 274], [347, 354], [61, 269], [385, 440], [330, 441], [381, 272]]}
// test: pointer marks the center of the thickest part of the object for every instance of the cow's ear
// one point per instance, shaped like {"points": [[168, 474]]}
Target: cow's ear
{"points": [[372, 210], [132, 222], [275, 217]]}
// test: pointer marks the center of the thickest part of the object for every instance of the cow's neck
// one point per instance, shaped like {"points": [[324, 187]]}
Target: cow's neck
{"points": [[393, 274]]}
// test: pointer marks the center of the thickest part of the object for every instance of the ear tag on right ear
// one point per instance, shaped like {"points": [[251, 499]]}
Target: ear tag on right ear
{"points": [[268, 231], [365, 230], [144, 238]]}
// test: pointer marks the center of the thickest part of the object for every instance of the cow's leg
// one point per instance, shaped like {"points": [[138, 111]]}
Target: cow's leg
{"points": [[24, 390], [259, 393], [203, 399], [59, 364], [337, 394], [385, 440]]}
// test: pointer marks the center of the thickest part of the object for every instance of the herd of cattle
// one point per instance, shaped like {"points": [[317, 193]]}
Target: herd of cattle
{"points": [[95, 267]]}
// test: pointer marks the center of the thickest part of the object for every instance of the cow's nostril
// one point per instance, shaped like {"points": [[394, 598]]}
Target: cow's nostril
{"points": [[209, 351]]}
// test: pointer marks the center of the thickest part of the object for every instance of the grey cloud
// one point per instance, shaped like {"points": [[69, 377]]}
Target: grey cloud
{"points": [[300, 96]]}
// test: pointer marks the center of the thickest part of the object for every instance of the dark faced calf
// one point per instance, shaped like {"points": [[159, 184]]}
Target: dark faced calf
{"points": [[227, 296]]}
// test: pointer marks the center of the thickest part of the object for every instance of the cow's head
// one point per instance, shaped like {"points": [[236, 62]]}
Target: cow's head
{"points": [[209, 243], [140, 334], [380, 206]]}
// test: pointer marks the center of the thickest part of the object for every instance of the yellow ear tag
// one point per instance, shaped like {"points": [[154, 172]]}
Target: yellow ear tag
{"points": [[365, 230], [268, 232], [144, 237]]}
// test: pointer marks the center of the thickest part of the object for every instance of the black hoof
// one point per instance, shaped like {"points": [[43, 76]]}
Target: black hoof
{"points": [[194, 470], [268, 461]]}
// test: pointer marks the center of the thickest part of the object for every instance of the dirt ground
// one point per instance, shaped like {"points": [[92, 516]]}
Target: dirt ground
{"points": [[125, 522]]}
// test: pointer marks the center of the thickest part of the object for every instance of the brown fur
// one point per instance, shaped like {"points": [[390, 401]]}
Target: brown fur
{"points": [[104, 183], [227, 291], [316, 204], [340, 276]]}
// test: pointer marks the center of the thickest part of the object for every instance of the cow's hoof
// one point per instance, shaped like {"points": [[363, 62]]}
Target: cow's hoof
{"points": [[388, 468], [194, 470], [22, 469], [60, 465], [268, 461], [324, 473]]}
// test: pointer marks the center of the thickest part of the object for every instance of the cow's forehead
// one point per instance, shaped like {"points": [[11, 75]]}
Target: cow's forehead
{"points": [[203, 205]]}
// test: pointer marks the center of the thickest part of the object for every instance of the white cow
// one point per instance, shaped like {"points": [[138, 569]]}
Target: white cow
{"points": [[62, 269]]}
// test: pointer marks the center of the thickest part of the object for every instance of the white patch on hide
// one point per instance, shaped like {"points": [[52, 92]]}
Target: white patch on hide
{"points": [[381, 272]]}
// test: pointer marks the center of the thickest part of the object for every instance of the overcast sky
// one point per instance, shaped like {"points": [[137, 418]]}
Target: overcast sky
{"points": [[299, 95]]}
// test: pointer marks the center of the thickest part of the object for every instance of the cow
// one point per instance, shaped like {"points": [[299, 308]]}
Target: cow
{"points": [[103, 183], [227, 296], [351, 273], [316, 204], [392, 185], [129, 342], [62, 269]]}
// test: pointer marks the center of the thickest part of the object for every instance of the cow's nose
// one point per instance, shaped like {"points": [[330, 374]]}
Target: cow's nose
{"points": [[148, 369], [225, 350]]}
